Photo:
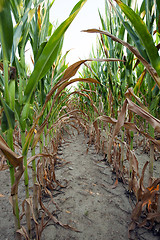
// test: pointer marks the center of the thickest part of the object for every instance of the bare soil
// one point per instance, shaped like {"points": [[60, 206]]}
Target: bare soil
{"points": [[89, 203]]}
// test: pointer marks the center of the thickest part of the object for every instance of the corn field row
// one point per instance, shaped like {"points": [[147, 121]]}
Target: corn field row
{"points": [[116, 101]]}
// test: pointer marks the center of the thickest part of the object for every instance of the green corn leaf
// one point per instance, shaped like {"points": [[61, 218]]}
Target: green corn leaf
{"points": [[6, 29], [23, 24], [143, 34], [133, 35], [142, 8], [77, 7], [158, 5], [150, 69], [19, 31], [45, 23], [40, 50], [12, 94], [16, 9], [24, 116], [51, 4], [8, 117], [50, 28], [49, 53]]}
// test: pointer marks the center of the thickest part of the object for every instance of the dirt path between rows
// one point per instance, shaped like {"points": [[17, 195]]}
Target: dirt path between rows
{"points": [[89, 203]]}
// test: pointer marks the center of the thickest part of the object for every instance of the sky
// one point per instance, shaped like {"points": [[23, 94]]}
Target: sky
{"points": [[88, 17]]}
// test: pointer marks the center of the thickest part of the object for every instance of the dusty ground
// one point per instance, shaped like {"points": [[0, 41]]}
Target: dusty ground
{"points": [[89, 203]]}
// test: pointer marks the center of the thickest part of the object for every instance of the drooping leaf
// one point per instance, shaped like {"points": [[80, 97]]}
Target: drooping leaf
{"points": [[143, 34], [22, 231], [13, 158], [60, 86], [149, 68], [72, 70], [130, 93], [36, 156], [139, 111], [132, 33]]}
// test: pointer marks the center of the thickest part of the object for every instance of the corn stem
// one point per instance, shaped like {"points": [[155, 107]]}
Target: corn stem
{"points": [[151, 163], [14, 195], [28, 215], [35, 189]]}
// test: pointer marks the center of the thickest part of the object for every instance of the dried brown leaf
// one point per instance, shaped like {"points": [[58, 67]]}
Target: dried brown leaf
{"points": [[37, 136], [53, 218], [131, 227], [144, 114], [30, 204], [23, 233], [140, 190], [72, 70], [13, 158], [141, 112], [149, 68], [137, 211], [130, 93], [18, 174], [38, 155]]}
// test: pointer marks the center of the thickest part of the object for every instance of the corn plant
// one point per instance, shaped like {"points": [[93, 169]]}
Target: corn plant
{"points": [[141, 44], [17, 96]]}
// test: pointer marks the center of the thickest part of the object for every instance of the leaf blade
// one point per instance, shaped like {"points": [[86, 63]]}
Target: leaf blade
{"points": [[143, 34], [47, 57]]}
